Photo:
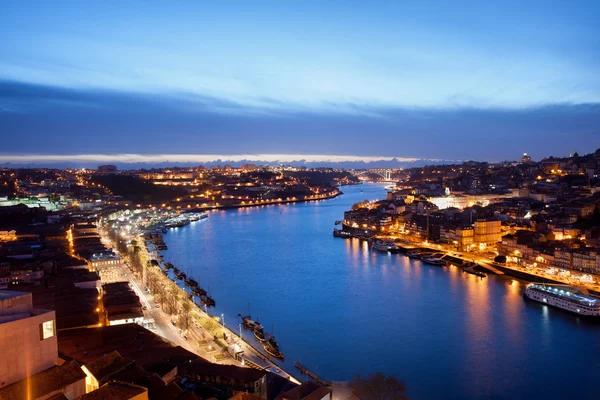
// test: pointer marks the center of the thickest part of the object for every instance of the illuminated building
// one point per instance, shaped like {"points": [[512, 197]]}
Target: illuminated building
{"points": [[28, 344], [487, 232], [525, 159]]}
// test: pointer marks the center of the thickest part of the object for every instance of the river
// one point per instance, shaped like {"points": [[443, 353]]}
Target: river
{"points": [[341, 309]]}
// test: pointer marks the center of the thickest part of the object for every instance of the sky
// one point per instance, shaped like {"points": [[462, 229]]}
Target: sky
{"points": [[451, 80]]}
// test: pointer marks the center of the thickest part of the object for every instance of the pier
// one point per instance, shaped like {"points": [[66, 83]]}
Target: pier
{"points": [[489, 268], [305, 371]]}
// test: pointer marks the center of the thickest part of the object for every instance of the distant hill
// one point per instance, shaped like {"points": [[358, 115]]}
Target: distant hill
{"points": [[136, 189]]}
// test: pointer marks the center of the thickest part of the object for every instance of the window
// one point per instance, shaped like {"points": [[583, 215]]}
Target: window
{"points": [[47, 329]]}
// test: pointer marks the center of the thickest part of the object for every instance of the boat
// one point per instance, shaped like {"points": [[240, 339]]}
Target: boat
{"points": [[180, 275], [168, 265], [207, 301], [434, 261], [197, 291], [414, 254], [382, 245], [273, 342], [471, 270], [392, 248], [338, 222], [260, 334], [191, 282], [250, 323], [569, 298], [272, 351], [342, 234]]}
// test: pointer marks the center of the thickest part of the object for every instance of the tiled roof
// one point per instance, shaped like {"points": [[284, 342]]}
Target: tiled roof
{"points": [[105, 366], [45, 382], [114, 390]]}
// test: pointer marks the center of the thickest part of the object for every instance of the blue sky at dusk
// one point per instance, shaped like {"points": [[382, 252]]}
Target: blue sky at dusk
{"points": [[424, 79]]}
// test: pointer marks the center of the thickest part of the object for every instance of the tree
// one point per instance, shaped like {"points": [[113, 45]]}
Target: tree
{"points": [[186, 314], [172, 298], [378, 387], [136, 262]]}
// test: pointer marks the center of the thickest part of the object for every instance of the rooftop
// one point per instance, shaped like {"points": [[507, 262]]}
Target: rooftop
{"points": [[307, 391], [115, 390], [44, 383], [106, 366], [130, 340]]}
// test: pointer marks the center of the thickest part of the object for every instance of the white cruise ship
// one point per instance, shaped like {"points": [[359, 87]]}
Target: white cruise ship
{"points": [[570, 298]]}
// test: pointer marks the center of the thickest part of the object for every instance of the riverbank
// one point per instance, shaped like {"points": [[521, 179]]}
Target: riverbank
{"points": [[516, 271], [219, 338]]}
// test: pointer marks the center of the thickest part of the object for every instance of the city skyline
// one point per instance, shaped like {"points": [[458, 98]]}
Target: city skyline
{"points": [[471, 81]]}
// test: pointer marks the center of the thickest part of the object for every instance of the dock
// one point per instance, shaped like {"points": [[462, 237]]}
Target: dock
{"points": [[306, 371], [489, 268]]}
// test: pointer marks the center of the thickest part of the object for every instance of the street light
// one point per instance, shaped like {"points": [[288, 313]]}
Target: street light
{"points": [[240, 325], [223, 319]]}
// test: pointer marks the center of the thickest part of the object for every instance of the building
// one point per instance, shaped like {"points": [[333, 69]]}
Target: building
{"points": [[308, 391], [117, 390], [8, 236], [107, 264], [28, 338], [4, 275], [487, 232], [121, 304], [526, 159], [367, 220], [103, 369], [66, 381], [229, 377], [461, 237]]}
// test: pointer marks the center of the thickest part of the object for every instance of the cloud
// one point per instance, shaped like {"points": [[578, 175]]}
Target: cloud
{"points": [[55, 120]]}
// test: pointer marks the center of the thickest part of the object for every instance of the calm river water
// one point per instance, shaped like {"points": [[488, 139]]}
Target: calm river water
{"points": [[341, 309]]}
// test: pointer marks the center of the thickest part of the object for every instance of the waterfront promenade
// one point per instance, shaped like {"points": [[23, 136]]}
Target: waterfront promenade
{"points": [[208, 336], [541, 273]]}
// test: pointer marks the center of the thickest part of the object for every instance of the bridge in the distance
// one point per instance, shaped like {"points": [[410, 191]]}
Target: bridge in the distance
{"points": [[385, 173]]}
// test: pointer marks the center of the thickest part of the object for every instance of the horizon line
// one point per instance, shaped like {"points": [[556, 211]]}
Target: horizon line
{"points": [[200, 158]]}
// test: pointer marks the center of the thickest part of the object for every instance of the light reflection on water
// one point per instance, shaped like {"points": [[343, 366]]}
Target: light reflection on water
{"points": [[341, 308]]}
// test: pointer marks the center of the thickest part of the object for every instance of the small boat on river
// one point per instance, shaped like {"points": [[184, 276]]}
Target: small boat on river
{"points": [[272, 351], [470, 269], [432, 260], [260, 334], [191, 282], [250, 323], [207, 301], [342, 234]]}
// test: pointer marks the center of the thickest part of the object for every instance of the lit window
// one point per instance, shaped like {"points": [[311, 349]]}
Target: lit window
{"points": [[47, 329]]}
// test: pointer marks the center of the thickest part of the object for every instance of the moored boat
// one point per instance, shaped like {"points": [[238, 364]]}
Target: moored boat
{"points": [[381, 245], [207, 301], [342, 234], [191, 282], [260, 334], [471, 270], [250, 323], [272, 351], [434, 261], [569, 298]]}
